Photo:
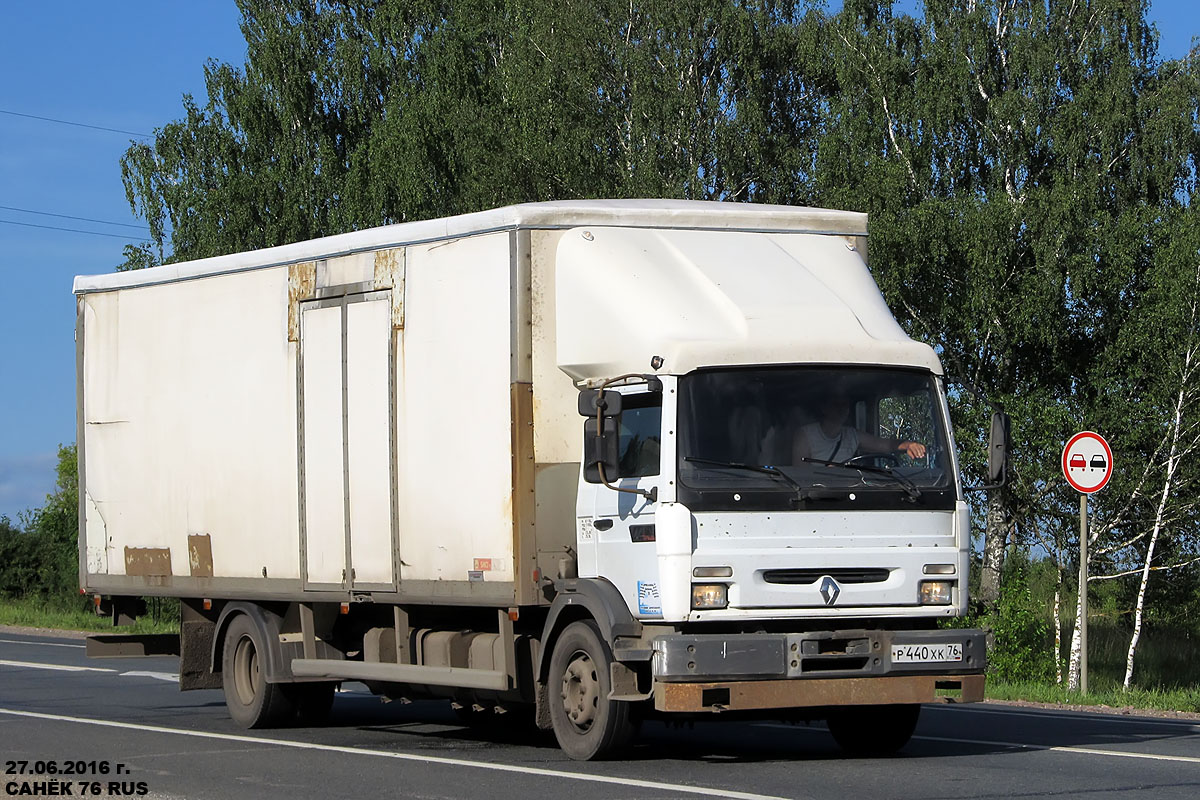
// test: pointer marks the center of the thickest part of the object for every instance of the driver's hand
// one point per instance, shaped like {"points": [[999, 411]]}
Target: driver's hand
{"points": [[912, 449]]}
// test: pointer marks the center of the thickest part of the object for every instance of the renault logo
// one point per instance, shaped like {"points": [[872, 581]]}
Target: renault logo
{"points": [[830, 590]]}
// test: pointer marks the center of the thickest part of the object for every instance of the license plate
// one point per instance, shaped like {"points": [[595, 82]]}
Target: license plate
{"points": [[926, 653]]}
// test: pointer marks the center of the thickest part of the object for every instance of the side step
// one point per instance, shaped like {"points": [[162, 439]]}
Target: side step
{"points": [[460, 677], [127, 645]]}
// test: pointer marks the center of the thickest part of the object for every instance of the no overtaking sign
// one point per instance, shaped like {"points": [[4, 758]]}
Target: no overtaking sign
{"points": [[1087, 462]]}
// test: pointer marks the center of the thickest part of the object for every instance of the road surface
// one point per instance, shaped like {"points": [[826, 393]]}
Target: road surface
{"points": [[61, 711]]}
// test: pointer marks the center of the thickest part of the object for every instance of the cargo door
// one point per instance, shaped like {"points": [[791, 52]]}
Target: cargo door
{"points": [[347, 436]]}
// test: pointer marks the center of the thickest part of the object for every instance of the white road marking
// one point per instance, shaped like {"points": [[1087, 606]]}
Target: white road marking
{"points": [[43, 644], [1097, 715], [1022, 746], [170, 677], [1066, 749], [58, 667], [455, 762]]}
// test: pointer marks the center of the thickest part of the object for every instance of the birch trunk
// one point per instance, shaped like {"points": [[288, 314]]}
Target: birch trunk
{"points": [[1159, 515], [1058, 676], [1141, 603], [1073, 670], [994, 541]]}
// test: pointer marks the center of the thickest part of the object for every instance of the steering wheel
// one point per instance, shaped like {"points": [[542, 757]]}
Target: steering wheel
{"points": [[862, 459]]}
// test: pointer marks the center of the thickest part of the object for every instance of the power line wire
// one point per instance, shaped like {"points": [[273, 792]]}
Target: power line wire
{"points": [[81, 219], [72, 230], [76, 124]]}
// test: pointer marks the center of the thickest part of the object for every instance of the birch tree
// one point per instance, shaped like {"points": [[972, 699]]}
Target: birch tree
{"points": [[1006, 155]]}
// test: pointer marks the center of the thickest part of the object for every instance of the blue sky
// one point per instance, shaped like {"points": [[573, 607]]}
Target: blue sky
{"points": [[125, 66]]}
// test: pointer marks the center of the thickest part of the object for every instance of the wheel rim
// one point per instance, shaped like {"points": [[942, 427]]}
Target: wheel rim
{"points": [[581, 691], [246, 677]]}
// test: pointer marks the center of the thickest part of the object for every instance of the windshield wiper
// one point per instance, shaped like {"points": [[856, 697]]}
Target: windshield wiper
{"points": [[802, 493], [910, 488]]}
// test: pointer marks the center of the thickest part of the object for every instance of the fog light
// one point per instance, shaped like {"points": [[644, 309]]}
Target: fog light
{"points": [[712, 572], [936, 593], [709, 595]]}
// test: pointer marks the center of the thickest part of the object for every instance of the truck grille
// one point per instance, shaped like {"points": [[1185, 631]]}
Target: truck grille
{"points": [[804, 577]]}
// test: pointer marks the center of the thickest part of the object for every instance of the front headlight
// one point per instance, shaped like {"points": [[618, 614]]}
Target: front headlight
{"points": [[936, 593], [709, 595]]}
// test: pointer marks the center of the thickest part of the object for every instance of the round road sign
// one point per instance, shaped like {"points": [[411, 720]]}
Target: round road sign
{"points": [[1087, 462]]}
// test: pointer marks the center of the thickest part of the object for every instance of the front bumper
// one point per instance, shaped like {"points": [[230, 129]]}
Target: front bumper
{"points": [[714, 672]]}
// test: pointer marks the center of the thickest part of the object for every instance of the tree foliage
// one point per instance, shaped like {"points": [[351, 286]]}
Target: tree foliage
{"points": [[41, 557], [1029, 167]]}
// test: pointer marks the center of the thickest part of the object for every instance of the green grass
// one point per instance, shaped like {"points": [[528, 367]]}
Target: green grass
{"points": [[1167, 657], [1165, 699], [37, 613], [1166, 671]]}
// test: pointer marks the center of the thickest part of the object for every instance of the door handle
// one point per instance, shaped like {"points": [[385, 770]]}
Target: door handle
{"points": [[602, 524]]}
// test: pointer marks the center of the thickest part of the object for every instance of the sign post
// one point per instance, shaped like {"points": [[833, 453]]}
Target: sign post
{"points": [[1087, 463], [1083, 598]]}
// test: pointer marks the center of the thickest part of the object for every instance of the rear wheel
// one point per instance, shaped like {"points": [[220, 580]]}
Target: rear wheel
{"points": [[586, 723], [873, 730], [252, 701]]}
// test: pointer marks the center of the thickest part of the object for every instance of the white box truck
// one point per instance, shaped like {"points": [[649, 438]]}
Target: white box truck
{"points": [[600, 460]]}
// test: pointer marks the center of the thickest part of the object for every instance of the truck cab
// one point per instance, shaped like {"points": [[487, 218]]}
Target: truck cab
{"points": [[774, 494]]}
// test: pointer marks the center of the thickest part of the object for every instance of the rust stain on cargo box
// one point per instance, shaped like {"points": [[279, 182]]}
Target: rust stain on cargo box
{"points": [[148, 561], [200, 555], [521, 503], [389, 274], [302, 284]]}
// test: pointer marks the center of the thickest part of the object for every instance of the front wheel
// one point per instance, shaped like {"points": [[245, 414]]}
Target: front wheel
{"points": [[873, 730], [586, 723]]}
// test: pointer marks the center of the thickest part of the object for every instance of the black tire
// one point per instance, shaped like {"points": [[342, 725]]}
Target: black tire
{"points": [[252, 701], [586, 723], [313, 701], [873, 730]]}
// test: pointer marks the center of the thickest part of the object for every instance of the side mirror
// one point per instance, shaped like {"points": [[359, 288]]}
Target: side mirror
{"points": [[601, 431], [998, 446], [593, 400], [601, 449]]}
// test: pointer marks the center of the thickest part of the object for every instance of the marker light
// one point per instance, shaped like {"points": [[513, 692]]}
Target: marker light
{"points": [[936, 593], [712, 572], [709, 595], [938, 569]]}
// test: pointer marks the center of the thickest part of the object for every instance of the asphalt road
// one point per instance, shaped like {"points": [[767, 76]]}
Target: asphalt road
{"points": [[58, 708]]}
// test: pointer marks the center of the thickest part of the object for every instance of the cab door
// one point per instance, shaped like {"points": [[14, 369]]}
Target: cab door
{"points": [[616, 528]]}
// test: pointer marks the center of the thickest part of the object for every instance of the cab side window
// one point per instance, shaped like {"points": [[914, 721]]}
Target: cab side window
{"points": [[641, 427]]}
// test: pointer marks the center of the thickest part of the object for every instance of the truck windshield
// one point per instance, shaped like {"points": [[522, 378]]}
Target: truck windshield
{"points": [[842, 437]]}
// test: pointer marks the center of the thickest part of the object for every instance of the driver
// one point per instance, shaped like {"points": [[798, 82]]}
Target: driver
{"points": [[830, 439]]}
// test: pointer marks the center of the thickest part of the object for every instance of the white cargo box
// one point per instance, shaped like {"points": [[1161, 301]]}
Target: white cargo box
{"points": [[392, 412]]}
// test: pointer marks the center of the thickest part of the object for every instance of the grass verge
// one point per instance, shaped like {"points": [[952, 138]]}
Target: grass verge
{"points": [[36, 613], [1180, 699]]}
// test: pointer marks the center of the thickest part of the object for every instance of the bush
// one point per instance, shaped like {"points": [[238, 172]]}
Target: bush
{"points": [[1022, 650], [1020, 647], [40, 560]]}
